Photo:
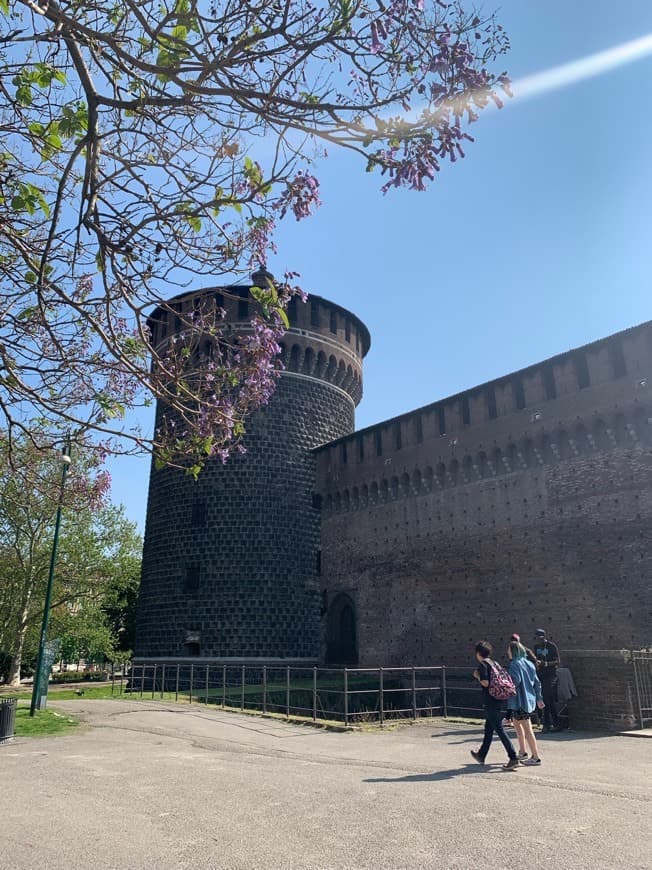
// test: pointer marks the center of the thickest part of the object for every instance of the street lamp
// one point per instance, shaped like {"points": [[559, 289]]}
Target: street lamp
{"points": [[39, 677]]}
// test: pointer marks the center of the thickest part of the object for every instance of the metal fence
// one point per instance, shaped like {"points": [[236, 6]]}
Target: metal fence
{"points": [[643, 682], [348, 695]]}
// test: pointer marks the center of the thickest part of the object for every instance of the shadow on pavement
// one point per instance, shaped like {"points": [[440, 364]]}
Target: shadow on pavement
{"points": [[440, 774]]}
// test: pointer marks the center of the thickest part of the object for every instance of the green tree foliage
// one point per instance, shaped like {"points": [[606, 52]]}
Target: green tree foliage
{"points": [[98, 561]]}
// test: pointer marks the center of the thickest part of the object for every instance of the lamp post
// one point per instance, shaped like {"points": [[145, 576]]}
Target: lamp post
{"points": [[36, 691]]}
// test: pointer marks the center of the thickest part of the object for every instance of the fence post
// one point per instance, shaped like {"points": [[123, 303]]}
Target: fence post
{"points": [[346, 696], [264, 688], [192, 674], [112, 677], [223, 686], [163, 683], [314, 694], [176, 687], [443, 691], [414, 696], [287, 691], [242, 687], [206, 698], [122, 674], [142, 680], [382, 698], [638, 690], [154, 681]]}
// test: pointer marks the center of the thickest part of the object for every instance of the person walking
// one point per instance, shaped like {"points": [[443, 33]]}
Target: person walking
{"points": [[493, 708], [523, 704], [547, 656]]}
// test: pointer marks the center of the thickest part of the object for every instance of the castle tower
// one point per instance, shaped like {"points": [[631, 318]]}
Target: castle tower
{"points": [[231, 561]]}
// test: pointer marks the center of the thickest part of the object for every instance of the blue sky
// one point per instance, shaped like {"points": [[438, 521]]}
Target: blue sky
{"points": [[538, 241]]}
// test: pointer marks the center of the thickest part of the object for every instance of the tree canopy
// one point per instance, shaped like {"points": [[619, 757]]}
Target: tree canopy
{"points": [[150, 147], [98, 562]]}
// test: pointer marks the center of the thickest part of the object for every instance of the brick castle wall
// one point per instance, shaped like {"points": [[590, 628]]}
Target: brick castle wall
{"points": [[606, 690], [525, 502]]}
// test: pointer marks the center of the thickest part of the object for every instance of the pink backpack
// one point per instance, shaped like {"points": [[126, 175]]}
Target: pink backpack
{"points": [[501, 685]]}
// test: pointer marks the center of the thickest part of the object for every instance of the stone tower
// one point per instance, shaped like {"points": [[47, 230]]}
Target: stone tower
{"points": [[231, 561]]}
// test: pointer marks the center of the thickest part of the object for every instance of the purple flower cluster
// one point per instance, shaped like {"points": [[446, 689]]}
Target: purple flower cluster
{"points": [[301, 196]]}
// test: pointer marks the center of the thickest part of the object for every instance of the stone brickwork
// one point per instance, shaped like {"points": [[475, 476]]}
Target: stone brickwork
{"points": [[230, 561], [522, 503], [606, 690]]}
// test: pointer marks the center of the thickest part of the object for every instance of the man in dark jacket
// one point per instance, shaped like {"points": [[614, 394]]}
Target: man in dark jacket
{"points": [[547, 656]]}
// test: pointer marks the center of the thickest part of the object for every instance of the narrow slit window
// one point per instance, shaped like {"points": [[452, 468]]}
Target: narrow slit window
{"points": [[333, 322], [519, 394], [378, 437], [581, 371], [549, 385], [617, 359], [441, 419], [398, 437], [191, 583], [491, 403], [418, 429], [466, 411], [198, 514]]}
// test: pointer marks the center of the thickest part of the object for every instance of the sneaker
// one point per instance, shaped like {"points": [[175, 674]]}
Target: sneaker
{"points": [[522, 756], [476, 754], [531, 762], [512, 764]]}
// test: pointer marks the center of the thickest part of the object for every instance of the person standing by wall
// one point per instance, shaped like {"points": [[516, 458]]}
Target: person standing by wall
{"points": [[547, 663], [493, 709]]}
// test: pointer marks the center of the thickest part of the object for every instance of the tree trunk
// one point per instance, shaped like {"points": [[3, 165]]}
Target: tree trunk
{"points": [[17, 655], [14, 667]]}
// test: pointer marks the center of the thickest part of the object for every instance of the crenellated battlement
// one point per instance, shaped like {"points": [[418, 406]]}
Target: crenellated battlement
{"points": [[537, 415], [324, 342]]}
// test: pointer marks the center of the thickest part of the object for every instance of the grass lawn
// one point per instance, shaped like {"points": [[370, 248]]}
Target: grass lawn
{"points": [[43, 723], [68, 693]]}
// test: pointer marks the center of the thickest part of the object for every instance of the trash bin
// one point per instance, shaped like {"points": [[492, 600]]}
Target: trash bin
{"points": [[7, 718]]}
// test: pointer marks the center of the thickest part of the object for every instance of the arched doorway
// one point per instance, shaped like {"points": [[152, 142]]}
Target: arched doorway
{"points": [[341, 632]]}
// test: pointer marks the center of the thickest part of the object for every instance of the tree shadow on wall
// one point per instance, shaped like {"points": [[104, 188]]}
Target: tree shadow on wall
{"points": [[439, 775]]}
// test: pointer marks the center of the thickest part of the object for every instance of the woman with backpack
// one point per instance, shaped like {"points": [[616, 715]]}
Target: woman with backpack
{"points": [[496, 687], [525, 701]]}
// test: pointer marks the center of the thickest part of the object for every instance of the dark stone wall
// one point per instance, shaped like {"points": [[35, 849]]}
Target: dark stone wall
{"points": [[512, 518], [230, 561]]}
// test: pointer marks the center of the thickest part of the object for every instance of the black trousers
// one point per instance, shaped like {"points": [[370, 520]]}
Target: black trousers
{"points": [[493, 724], [549, 692]]}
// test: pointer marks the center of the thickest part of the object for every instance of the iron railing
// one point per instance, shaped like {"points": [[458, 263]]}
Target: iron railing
{"points": [[348, 695], [643, 682]]}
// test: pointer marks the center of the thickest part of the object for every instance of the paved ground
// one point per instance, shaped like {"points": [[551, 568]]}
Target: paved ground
{"points": [[157, 786]]}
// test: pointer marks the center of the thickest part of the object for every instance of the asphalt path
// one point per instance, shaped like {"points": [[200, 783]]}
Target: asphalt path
{"points": [[148, 785]]}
